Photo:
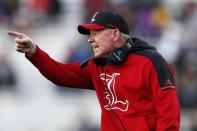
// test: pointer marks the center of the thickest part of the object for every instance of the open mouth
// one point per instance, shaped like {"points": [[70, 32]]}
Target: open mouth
{"points": [[95, 47]]}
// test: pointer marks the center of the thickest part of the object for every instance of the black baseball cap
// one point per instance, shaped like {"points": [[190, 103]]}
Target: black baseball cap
{"points": [[102, 20]]}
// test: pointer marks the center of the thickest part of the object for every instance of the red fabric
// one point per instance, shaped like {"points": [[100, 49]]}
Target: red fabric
{"points": [[134, 94], [92, 26]]}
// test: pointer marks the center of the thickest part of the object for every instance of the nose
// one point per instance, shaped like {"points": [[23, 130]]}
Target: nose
{"points": [[90, 39]]}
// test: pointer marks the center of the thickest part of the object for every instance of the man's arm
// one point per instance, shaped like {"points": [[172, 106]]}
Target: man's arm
{"points": [[69, 75]]}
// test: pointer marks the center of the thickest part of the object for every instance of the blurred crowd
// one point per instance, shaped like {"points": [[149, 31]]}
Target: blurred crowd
{"points": [[172, 30], [26, 14]]}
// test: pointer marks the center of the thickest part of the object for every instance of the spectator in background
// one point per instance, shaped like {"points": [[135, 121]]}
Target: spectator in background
{"points": [[12, 7], [54, 10], [45, 10], [150, 22], [139, 5], [186, 61], [40, 10], [187, 11], [8, 8], [2, 11], [186, 65], [80, 52], [189, 20], [7, 76], [187, 68]]}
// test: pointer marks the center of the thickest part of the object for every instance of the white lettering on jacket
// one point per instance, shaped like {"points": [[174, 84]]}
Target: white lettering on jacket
{"points": [[112, 102]]}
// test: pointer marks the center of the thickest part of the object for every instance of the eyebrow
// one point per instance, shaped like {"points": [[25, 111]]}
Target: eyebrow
{"points": [[100, 30]]}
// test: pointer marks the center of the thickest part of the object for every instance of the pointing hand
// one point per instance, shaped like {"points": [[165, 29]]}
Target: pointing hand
{"points": [[24, 44]]}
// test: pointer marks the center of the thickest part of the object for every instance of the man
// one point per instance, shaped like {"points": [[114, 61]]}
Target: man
{"points": [[134, 84]]}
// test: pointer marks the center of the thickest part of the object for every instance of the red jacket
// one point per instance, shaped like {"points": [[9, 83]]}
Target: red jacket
{"points": [[138, 95]]}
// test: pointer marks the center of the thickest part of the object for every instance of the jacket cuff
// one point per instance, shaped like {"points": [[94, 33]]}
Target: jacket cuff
{"points": [[35, 55]]}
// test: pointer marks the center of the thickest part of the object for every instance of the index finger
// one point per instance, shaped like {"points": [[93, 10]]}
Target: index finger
{"points": [[15, 34]]}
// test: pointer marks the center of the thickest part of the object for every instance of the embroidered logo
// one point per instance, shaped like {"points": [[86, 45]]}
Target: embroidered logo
{"points": [[93, 18], [112, 102]]}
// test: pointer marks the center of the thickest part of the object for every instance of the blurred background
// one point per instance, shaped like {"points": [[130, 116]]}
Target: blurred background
{"points": [[29, 102]]}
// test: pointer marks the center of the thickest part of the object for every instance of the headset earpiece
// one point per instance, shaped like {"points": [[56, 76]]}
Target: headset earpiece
{"points": [[118, 55]]}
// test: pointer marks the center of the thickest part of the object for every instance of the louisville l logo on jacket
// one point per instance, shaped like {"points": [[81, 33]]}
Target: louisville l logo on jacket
{"points": [[110, 93]]}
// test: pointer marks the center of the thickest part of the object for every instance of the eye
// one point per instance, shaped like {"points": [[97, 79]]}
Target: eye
{"points": [[93, 33]]}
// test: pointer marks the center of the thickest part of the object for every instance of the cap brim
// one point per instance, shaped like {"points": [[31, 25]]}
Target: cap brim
{"points": [[85, 28]]}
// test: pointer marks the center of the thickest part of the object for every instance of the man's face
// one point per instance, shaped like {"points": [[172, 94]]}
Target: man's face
{"points": [[101, 42]]}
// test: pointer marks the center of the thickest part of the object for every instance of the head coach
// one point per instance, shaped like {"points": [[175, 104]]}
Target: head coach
{"points": [[135, 86]]}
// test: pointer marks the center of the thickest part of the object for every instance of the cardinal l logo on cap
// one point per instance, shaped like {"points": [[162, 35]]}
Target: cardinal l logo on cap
{"points": [[93, 18]]}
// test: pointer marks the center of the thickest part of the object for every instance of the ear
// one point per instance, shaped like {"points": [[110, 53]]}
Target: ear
{"points": [[116, 35]]}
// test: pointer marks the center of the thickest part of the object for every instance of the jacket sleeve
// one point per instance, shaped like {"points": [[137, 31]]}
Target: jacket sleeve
{"points": [[68, 75], [162, 87]]}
